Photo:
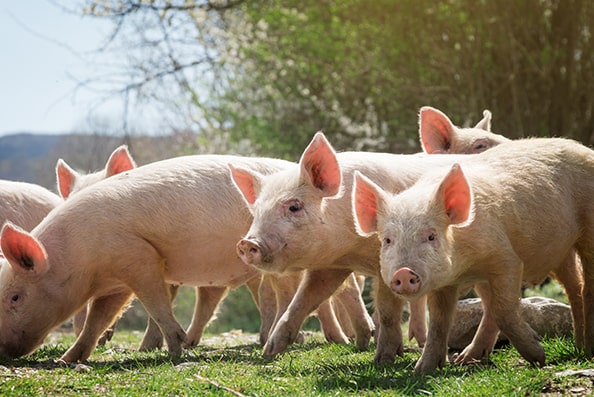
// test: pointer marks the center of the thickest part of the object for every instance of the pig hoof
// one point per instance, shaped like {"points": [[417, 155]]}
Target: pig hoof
{"points": [[150, 345], [300, 337]]}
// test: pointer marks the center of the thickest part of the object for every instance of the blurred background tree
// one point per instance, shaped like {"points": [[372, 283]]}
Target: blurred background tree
{"points": [[260, 77], [272, 72]]}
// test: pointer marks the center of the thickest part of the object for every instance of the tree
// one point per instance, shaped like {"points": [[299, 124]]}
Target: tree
{"points": [[276, 71]]}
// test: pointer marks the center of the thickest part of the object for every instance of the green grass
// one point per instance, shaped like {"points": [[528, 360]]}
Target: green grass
{"points": [[311, 369]]}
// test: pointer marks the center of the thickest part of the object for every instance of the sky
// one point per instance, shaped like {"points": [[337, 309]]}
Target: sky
{"points": [[44, 50]]}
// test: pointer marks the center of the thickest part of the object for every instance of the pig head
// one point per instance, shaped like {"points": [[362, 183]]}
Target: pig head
{"points": [[439, 135], [26, 278]]}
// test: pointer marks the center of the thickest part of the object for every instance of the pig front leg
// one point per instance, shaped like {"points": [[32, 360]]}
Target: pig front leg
{"points": [[486, 335], [267, 303], [317, 286], [389, 312], [101, 314], [207, 300], [442, 304], [153, 338]]}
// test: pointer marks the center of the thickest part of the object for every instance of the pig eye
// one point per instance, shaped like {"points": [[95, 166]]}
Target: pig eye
{"points": [[431, 237], [387, 241], [295, 206], [15, 298], [480, 146]]}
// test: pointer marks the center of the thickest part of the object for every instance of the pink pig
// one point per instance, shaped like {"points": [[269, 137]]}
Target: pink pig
{"points": [[25, 204], [278, 291], [515, 214], [171, 222], [439, 135], [302, 220]]}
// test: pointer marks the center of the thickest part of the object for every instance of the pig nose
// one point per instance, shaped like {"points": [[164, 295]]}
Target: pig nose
{"points": [[405, 282], [249, 251]]}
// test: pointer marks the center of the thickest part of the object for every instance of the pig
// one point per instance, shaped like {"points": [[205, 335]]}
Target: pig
{"points": [[302, 219], [441, 136], [174, 221], [208, 298], [70, 181], [25, 204], [513, 214]]}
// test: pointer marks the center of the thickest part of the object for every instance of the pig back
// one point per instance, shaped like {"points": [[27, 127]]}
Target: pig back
{"points": [[25, 204], [185, 208], [533, 196]]}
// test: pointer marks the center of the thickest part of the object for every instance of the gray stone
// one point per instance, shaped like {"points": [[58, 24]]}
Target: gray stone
{"points": [[546, 316]]}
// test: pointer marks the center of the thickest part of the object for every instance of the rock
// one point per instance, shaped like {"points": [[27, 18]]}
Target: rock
{"points": [[546, 316]]}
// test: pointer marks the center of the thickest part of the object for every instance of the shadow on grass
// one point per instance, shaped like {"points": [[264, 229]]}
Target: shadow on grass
{"points": [[397, 377], [124, 359]]}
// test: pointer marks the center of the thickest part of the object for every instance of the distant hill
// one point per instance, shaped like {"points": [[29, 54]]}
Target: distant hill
{"points": [[32, 157]]}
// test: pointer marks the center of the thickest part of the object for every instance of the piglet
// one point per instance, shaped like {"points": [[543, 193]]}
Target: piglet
{"points": [[508, 216], [303, 220], [439, 135], [170, 222], [25, 204]]}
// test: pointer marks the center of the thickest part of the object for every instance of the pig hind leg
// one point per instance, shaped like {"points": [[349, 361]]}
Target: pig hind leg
{"points": [[207, 301], [152, 291], [587, 259], [353, 312], [417, 324], [570, 277], [505, 307], [101, 314], [153, 338]]}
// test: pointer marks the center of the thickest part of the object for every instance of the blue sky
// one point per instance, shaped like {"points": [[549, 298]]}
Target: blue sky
{"points": [[44, 50]]}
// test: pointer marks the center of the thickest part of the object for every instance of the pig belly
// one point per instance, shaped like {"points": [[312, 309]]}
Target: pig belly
{"points": [[538, 267], [200, 271]]}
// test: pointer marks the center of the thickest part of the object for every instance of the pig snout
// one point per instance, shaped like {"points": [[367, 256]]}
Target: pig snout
{"points": [[250, 251], [405, 282]]}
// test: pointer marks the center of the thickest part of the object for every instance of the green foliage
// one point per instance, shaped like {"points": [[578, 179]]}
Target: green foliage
{"points": [[312, 369]]}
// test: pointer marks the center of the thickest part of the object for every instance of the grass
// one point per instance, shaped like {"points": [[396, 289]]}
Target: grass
{"points": [[223, 368]]}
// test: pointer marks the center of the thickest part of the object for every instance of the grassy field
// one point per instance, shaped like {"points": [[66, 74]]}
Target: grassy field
{"points": [[231, 365]]}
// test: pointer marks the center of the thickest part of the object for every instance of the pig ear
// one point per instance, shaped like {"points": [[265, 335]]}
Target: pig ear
{"points": [[247, 181], [456, 196], [485, 123], [435, 130], [66, 178], [320, 167], [367, 198], [119, 161], [24, 253]]}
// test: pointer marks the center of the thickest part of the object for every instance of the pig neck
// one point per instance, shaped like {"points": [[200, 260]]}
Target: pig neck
{"points": [[63, 273]]}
